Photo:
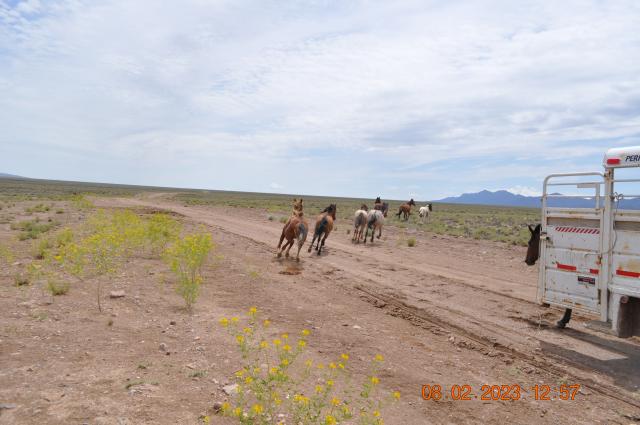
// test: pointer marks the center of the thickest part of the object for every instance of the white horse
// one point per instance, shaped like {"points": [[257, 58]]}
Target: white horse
{"points": [[359, 223], [375, 220], [424, 212]]}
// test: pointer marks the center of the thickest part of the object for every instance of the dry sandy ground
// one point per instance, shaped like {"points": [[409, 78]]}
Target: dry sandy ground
{"points": [[447, 311]]}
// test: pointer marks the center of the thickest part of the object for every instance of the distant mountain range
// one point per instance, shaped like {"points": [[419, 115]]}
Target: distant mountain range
{"points": [[10, 176], [508, 199]]}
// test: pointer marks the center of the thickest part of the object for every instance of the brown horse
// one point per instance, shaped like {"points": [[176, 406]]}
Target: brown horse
{"points": [[296, 229], [324, 226], [406, 209]]}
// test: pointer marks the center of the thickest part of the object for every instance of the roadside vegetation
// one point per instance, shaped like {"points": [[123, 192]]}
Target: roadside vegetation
{"points": [[279, 383]]}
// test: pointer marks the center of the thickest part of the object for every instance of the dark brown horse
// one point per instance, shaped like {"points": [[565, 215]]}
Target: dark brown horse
{"points": [[406, 209], [295, 229], [381, 206], [324, 226]]}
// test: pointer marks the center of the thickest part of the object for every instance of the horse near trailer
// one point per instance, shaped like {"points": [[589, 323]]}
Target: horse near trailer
{"points": [[590, 256]]}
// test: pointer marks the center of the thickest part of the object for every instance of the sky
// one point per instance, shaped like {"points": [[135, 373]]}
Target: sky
{"points": [[422, 99]]}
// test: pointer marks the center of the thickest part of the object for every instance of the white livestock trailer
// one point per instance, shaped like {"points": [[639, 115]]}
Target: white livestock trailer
{"points": [[590, 256]]}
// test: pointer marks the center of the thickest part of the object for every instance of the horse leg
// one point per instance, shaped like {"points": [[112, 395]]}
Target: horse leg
{"points": [[562, 323], [318, 244], [312, 241], [379, 232], [281, 238], [322, 245], [289, 245]]}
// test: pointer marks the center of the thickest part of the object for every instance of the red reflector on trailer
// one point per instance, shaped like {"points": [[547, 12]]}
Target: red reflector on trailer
{"points": [[627, 274], [566, 267], [613, 161]]}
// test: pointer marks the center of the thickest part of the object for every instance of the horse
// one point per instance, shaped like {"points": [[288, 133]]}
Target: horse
{"points": [[381, 206], [406, 209], [359, 223], [324, 226], [533, 254], [423, 212], [295, 229], [375, 220]]}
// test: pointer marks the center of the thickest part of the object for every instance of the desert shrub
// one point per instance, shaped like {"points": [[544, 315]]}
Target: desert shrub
{"points": [[59, 211], [31, 229], [56, 289], [41, 248], [411, 242], [64, 237], [21, 279], [81, 202], [6, 256], [185, 258], [161, 229], [38, 208], [275, 386], [271, 218]]}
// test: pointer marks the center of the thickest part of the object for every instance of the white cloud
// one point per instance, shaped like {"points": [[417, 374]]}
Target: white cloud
{"points": [[525, 191]]}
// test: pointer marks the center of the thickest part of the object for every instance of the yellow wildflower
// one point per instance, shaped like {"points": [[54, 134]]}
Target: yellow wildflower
{"points": [[332, 365], [234, 320], [319, 389], [379, 358], [335, 401], [302, 343], [376, 413], [341, 365], [240, 373], [258, 409], [206, 420], [396, 395], [375, 380], [285, 362], [248, 380], [286, 347], [264, 344], [248, 331], [330, 420], [225, 406], [285, 336], [277, 342], [224, 322], [252, 311], [305, 332], [320, 366], [237, 412], [240, 339], [344, 356], [266, 323], [273, 370], [308, 363], [330, 383]]}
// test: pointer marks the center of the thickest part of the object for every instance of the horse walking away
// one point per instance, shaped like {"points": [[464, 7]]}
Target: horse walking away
{"points": [[406, 209], [533, 254], [359, 223], [424, 212], [375, 221], [324, 226], [296, 229]]}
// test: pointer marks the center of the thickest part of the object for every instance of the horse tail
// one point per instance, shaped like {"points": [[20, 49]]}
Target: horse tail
{"points": [[360, 220], [399, 212], [302, 233]]}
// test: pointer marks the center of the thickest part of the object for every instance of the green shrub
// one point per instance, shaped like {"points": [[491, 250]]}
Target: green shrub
{"points": [[41, 248], [21, 279], [411, 242], [31, 229], [185, 258], [56, 289]]}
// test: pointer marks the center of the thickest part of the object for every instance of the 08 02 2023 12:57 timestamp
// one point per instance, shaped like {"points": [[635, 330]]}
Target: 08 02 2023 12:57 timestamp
{"points": [[510, 392]]}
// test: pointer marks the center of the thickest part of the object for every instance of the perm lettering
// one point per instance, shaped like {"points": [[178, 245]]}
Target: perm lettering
{"points": [[632, 158]]}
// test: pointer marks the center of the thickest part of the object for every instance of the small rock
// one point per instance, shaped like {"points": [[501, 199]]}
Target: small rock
{"points": [[196, 338], [172, 323], [163, 347], [452, 338], [17, 263], [7, 406], [230, 389], [116, 294], [217, 407], [356, 327]]}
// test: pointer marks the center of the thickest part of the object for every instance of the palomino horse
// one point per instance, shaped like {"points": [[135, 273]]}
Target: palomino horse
{"points": [[533, 253], [406, 209], [375, 220], [296, 229], [424, 212], [324, 226]]}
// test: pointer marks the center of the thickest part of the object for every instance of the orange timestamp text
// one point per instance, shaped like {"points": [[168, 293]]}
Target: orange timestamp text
{"points": [[512, 392]]}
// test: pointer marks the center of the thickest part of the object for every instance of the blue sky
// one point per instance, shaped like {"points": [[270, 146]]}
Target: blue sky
{"points": [[421, 99]]}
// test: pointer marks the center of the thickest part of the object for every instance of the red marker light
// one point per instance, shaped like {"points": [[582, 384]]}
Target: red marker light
{"points": [[613, 161]]}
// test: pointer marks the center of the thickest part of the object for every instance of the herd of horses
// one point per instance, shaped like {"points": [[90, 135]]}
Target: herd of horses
{"points": [[296, 228]]}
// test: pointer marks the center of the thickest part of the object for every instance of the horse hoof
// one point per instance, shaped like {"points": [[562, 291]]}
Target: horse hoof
{"points": [[286, 255], [298, 259], [279, 254]]}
